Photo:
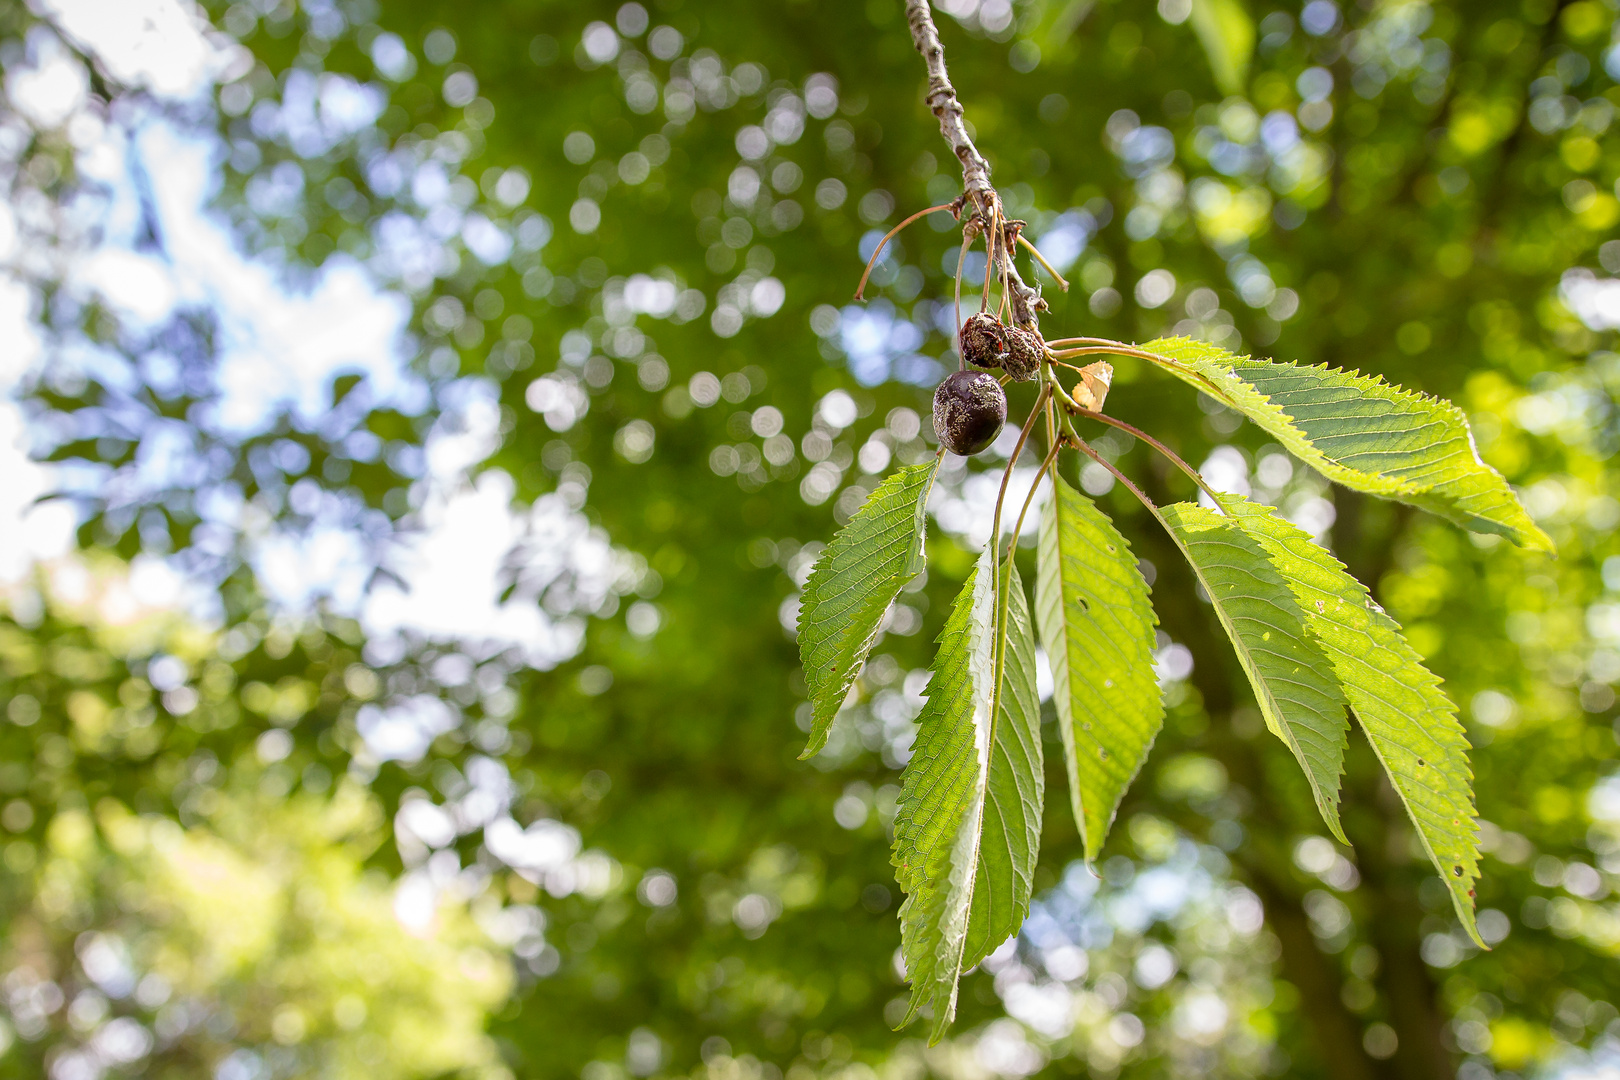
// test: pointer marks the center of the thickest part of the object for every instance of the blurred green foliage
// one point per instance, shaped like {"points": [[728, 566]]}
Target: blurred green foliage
{"points": [[1418, 190]]}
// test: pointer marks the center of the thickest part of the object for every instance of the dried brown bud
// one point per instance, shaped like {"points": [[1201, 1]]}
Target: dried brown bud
{"points": [[969, 409], [983, 341], [1024, 352]]}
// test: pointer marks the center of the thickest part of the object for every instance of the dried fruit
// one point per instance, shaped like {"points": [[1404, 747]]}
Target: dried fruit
{"points": [[984, 342], [1024, 352], [969, 409]]}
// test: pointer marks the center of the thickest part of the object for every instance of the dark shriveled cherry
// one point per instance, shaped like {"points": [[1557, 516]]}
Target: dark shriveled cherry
{"points": [[984, 343], [969, 409]]}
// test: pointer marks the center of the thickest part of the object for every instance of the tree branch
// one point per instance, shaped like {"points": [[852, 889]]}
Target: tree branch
{"points": [[942, 101], [977, 191]]}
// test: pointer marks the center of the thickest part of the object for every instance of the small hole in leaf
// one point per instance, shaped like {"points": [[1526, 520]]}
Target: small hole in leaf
{"points": [[1456, 871], [1085, 605], [1103, 754], [1421, 763]]}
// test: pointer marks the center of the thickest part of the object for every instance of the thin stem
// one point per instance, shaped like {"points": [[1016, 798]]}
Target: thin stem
{"points": [[1085, 448], [1018, 527], [1062, 396], [1035, 251], [1170, 455], [1006, 476], [1100, 350], [1076, 368], [1115, 348], [1051, 420], [961, 259], [1004, 263], [870, 263], [1003, 582], [990, 260], [1083, 341]]}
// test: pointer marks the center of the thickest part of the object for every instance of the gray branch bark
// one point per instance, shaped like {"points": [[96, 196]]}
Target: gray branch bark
{"points": [[977, 190]]}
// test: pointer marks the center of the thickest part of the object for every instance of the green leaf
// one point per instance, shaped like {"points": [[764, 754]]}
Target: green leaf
{"points": [[1097, 624], [853, 583], [1411, 723], [1227, 33], [1293, 681], [1363, 433], [967, 824], [1014, 795]]}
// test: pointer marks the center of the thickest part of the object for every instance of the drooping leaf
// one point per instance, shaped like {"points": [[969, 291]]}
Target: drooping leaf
{"points": [[1226, 31], [1363, 433], [967, 822], [1014, 795], [1097, 624], [1411, 723], [853, 583], [1293, 681], [940, 809]]}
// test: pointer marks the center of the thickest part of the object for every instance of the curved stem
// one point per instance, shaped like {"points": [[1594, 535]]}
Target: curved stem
{"points": [[990, 233], [1115, 348], [1006, 476], [961, 259], [1062, 395], [884, 242], [1169, 454], [1083, 341], [1018, 527], [1086, 449], [1076, 368], [1035, 251], [1051, 420]]}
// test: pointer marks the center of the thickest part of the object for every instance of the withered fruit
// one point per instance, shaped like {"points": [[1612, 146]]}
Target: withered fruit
{"points": [[1024, 351], [969, 409], [984, 342]]}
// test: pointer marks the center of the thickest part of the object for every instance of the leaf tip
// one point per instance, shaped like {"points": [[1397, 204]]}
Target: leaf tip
{"points": [[817, 739], [1538, 540], [1335, 828], [942, 1022]]}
